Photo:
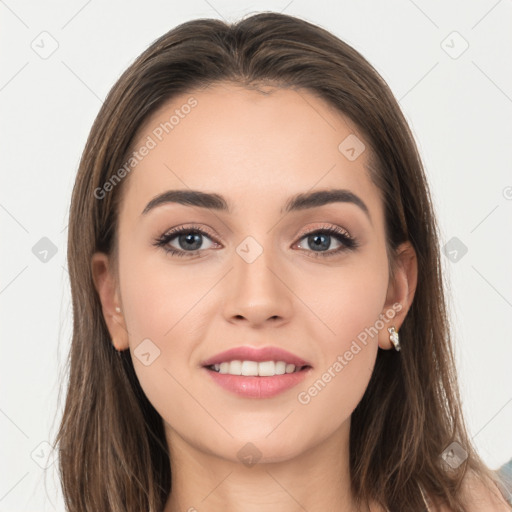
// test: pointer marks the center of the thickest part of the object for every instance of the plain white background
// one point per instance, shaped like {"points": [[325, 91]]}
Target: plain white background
{"points": [[448, 63]]}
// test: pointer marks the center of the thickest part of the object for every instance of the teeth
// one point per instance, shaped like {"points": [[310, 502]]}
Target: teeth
{"points": [[253, 368]]}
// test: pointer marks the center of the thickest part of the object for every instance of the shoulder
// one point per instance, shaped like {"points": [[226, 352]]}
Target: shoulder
{"points": [[480, 496]]}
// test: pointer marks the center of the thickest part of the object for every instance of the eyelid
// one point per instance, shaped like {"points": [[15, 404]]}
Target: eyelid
{"points": [[191, 227], [322, 227]]}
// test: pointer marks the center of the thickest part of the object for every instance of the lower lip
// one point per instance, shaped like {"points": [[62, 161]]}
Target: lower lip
{"points": [[258, 387]]}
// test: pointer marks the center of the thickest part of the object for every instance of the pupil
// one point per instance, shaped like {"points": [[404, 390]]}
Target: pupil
{"points": [[189, 240], [316, 241]]}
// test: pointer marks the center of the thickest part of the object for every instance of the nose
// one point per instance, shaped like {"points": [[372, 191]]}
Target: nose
{"points": [[257, 292]]}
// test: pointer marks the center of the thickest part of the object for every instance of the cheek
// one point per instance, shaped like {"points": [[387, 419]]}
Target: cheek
{"points": [[344, 302], [347, 359], [164, 306], [348, 304], [158, 294]]}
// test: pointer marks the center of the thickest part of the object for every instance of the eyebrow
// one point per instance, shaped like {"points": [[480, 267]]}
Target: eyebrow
{"points": [[297, 202]]}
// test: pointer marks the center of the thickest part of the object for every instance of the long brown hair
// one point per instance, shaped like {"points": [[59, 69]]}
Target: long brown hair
{"points": [[113, 453]]}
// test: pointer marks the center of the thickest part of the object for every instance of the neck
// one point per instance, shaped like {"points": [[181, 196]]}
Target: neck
{"points": [[316, 480]]}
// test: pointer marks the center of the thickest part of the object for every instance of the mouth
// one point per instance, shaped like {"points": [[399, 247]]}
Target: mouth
{"points": [[247, 368], [257, 380], [252, 372]]}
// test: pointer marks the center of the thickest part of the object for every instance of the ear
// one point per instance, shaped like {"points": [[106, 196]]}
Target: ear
{"points": [[400, 292], [106, 285]]}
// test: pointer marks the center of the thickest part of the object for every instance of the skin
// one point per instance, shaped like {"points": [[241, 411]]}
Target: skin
{"points": [[255, 150]]}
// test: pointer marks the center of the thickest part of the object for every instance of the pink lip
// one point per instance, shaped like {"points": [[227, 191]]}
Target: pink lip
{"points": [[256, 354], [258, 387]]}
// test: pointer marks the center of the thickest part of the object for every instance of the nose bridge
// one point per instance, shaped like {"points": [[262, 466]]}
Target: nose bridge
{"points": [[256, 291]]}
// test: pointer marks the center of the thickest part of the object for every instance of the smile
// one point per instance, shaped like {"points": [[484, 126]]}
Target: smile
{"points": [[255, 368]]}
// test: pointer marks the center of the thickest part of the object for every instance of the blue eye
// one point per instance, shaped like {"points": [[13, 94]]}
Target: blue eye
{"points": [[190, 240], [187, 237], [321, 239]]}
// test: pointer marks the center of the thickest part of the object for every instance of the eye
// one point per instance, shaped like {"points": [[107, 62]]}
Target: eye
{"points": [[189, 241], [321, 239]]}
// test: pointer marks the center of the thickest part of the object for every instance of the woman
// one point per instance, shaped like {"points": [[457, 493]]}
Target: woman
{"points": [[259, 320]]}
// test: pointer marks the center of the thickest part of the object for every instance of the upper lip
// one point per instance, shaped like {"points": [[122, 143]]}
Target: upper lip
{"points": [[247, 353]]}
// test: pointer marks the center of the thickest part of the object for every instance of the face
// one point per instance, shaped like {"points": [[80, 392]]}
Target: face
{"points": [[311, 280]]}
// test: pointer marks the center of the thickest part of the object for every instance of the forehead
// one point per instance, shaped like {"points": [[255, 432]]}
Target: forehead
{"points": [[253, 146]]}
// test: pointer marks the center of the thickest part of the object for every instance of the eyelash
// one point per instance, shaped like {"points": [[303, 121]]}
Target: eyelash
{"points": [[348, 242]]}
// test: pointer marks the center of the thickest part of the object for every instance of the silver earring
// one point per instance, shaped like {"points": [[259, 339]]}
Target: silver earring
{"points": [[394, 338], [118, 309]]}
